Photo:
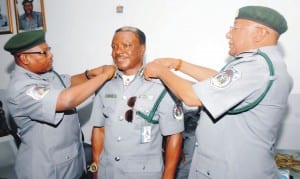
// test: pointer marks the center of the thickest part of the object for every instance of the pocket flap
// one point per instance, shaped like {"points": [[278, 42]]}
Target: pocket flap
{"points": [[143, 164], [211, 167], [62, 155]]}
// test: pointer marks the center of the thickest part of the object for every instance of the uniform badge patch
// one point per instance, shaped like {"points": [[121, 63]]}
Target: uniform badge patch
{"points": [[178, 112], [224, 78], [37, 92], [146, 134]]}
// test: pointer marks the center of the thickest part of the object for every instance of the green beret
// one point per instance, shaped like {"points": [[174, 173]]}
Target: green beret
{"points": [[264, 15], [24, 41]]}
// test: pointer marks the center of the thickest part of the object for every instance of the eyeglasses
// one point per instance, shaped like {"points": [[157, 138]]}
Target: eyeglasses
{"points": [[244, 27], [129, 114], [45, 52]]}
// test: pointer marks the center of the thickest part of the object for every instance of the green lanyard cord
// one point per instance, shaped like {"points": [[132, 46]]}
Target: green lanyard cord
{"points": [[261, 97], [62, 82], [149, 117]]}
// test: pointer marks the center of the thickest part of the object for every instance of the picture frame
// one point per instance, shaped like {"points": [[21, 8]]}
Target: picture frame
{"points": [[30, 9], [5, 17]]}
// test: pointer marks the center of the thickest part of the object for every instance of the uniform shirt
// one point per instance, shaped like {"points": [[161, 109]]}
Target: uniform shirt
{"points": [[133, 150], [51, 144], [241, 145], [34, 23], [3, 20], [191, 118], [3, 23]]}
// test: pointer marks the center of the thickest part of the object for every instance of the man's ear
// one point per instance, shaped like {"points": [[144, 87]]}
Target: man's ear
{"points": [[23, 59], [261, 34], [143, 50]]}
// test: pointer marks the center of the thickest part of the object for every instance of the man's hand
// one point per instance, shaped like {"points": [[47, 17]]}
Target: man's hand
{"points": [[156, 67], [107, 70], [152, 70], [171, 63]]}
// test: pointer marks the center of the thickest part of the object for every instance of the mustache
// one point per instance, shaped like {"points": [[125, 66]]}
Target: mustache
{"points": [[121, 56]]}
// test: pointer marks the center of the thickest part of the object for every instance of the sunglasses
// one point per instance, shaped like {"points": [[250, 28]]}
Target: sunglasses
{"points": [[129, 114], [148, 117]]}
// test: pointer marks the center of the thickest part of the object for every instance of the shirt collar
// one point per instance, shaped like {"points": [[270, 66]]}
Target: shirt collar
{"points": [[138, 73]]}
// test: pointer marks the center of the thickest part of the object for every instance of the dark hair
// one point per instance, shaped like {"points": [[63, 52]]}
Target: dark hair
{"points": [[140, 34], [26, 1]]}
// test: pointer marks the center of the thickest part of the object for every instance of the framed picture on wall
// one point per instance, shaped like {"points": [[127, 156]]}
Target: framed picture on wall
{"points": [[5, 17], [30, 15]]}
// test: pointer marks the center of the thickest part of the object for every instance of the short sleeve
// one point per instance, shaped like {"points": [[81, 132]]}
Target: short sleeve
{"points": [[39, 103], [96, 115], [230, 87], [168, 123]]}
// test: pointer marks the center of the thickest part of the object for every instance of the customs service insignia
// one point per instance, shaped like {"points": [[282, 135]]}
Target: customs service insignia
{"points": [[37, 92], [224, 78]]}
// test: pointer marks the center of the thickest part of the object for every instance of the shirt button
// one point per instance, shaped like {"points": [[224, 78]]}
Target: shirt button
{"points": [[121, 118], [117, 159], [119, 138], [196, 144], [124, 97]]}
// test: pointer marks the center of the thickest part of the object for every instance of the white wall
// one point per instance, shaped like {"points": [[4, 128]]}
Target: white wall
{"points": [[80, 32], [289, 135]]}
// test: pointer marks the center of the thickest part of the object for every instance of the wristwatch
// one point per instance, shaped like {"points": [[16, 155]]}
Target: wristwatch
{"points": [[93, 167]]}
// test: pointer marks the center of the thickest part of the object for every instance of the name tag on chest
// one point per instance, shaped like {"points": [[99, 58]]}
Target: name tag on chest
{"points": [[146, 134]]}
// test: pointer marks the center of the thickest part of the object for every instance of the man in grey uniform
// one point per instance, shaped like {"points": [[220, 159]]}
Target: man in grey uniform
{"points": [[30, 19], [42, 103], [243, 104], [3, 20], [131, 116], [191, 118]]}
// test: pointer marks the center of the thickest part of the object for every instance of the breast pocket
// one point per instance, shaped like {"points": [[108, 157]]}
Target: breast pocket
{"points": [[68, 162], [210, 167], [109, 109], [108, 112], [144, 104], [145, 110], [143, 167]]}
